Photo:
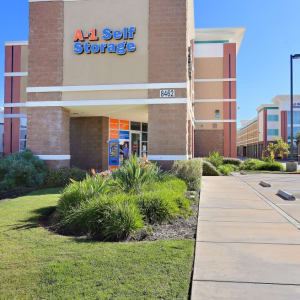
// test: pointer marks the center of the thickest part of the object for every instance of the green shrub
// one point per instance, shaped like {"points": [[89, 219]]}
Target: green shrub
{"points": [[227, 169], [209, 169], [77, 192], [271, 166], [61, 177], [164, 201], [255, 164], [135, 173], [169, 183], [216, 159], [232, 161], [251, 164], [21, 169], [190, 171], [108, 218]]}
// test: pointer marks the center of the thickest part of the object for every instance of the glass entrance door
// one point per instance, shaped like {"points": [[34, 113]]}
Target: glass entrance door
{"points": [[135, 148]]}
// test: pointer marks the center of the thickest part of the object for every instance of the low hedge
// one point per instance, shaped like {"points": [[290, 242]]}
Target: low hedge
{"points": [[255, 164], [251, 164], [209, 169], [63, 176], [190, 171], [232, 161], [271, 166]]}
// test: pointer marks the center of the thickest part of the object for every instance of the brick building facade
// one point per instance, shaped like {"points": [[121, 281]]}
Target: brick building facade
{"points": [[171, 95]]}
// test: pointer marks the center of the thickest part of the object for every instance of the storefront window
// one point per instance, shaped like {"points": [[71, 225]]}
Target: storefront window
{"points": [[144, 127], [145, 137], [135, 126], [23, 134]]}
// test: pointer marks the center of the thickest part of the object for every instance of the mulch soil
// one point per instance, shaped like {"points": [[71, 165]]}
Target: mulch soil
{"points": [[177, 229]]}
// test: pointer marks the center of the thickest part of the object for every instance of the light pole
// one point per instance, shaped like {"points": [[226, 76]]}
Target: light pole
{"points": [[295, 56]]}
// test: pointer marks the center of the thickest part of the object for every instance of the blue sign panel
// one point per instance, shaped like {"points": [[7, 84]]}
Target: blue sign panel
{"points": [[124, 135], [114, 159]]}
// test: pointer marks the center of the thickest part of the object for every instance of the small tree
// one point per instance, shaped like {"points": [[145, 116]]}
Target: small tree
{"points": [[278, 148], [298, 138]]}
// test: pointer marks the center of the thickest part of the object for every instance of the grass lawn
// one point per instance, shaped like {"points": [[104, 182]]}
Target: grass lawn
{"points": [[37, 264]]}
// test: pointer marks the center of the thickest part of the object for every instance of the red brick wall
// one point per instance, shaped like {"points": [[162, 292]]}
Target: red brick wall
{"points": [[265, 128], [207, 141], [89, 148], [284, 131], [12, 87]]}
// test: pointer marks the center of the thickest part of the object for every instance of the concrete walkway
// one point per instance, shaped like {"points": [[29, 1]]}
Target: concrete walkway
{"points": [[245, 249]]}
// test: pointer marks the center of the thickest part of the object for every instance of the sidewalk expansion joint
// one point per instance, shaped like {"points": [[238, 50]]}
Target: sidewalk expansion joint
{"points": [[251, 243], [278, 209], [255, 222], [214, 207], [247, 282]]}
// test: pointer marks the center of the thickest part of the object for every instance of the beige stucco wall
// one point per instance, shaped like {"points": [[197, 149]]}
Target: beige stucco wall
{"points": [[24, 58], [209, 126], [209, 68], [23, 86], [108, 68], [103, 95], [209, 90], [206, 111]]}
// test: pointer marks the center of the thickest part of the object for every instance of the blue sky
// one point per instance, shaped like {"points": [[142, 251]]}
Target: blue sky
{"points": [[272, 34]]}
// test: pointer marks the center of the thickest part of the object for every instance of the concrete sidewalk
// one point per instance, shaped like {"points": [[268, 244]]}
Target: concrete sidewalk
{"points": [[244, 248]]}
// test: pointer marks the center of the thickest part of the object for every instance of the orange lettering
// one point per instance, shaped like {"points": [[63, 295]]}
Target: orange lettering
{"points": [[93, 35], [78, 36]]}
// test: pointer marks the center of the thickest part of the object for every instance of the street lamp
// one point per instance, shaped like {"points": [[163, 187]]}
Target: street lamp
{"points": [[295, 56]]}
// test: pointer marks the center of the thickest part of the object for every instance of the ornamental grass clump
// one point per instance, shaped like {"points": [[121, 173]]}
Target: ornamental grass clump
{"points": [[106, 218], [209, 169], [216, 159], [190, 171], [112, 207], [164, 201], [80, 191], [135, 173]]}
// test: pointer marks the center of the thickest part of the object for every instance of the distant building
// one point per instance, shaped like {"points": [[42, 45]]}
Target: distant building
{"points": [[272, 121]]}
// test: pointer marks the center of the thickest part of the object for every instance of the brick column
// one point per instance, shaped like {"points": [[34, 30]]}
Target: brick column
{"points": [[48, 127], [12, 87], [168, 123]]}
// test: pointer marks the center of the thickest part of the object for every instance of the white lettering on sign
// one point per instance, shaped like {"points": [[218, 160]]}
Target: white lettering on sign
{"points": [[167, 93]]}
